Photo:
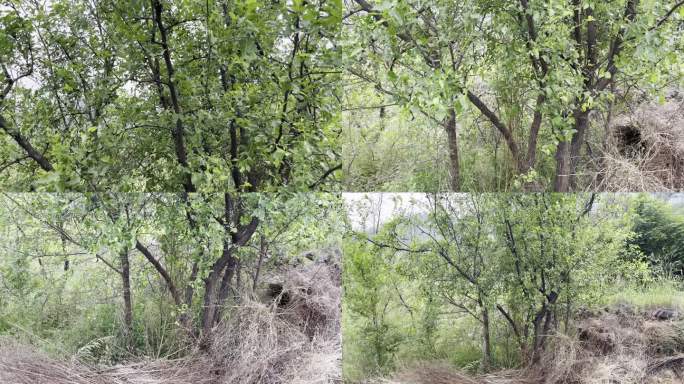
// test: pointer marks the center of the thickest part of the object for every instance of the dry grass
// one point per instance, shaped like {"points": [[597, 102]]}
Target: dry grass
{"points": [[434, 373], [296, 343], [23, 365], [657, 163], [261, 343], [621, 346]]}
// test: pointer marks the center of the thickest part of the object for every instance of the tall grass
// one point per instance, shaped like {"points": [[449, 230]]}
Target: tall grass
{"points": [[665, 293]]}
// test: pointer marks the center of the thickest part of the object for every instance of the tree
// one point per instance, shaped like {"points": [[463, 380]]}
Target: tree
{"points": [[659, 234], [197, 247], [543, 255], [520, 263], [535, 71], [456, 231], [156, 95], [367, 297]]}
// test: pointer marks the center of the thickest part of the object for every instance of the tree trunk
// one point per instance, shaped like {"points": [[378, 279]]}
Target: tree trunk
{"points": [[581, 126], [224, 267], [561, 183], [128, 305], [263, 249], [189, 289], [225, 288], [212, 291], [209, 308], [542, 334], [486, 341], [542, 326], [452, 134], [534, 133], [537, 342]]}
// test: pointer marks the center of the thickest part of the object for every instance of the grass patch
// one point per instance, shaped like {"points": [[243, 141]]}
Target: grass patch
{"points": [[659, 294]]}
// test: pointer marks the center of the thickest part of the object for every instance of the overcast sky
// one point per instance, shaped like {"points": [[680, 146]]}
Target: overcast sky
{"points": [[369, 210]]}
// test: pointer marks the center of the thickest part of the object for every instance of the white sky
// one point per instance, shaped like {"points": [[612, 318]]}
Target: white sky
{"points": [[368, 211]]}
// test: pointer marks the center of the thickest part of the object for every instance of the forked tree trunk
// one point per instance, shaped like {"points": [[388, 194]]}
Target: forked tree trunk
{"points": [[211, 293], [568, 154], [226, 287], [217, 283], [543, 323]]}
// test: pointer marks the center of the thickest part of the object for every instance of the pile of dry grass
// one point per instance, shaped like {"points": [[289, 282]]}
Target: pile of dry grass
{"points": [[652, 158], [437, 372], [616, 347], [315, 304], [298, 342], [20, 364], [260, 343], [255, 345]]}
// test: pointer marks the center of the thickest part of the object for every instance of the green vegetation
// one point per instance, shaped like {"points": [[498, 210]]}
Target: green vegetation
{"points": [[494, 281], [657, 294], [511, 95], [106, 279], [660, 235], [169, 95]]}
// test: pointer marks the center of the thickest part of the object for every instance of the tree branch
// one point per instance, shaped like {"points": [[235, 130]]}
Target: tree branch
{"points": [[23, 142], [325, 176], [179, 131], [616, 45], [539, 63], [162, 271], [494, 119], [667, 15], [512, 323]]}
